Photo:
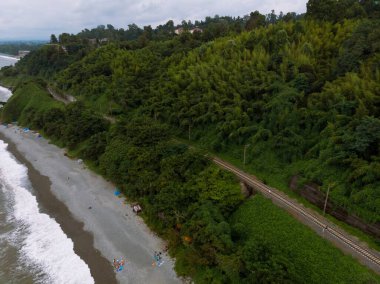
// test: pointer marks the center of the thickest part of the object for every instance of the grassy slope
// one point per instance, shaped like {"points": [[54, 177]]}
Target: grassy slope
{"points": [[313, 258], [28, 96]]}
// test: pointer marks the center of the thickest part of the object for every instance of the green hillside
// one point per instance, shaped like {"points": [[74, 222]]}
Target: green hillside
{"points": [[303, 90], [300, 92]]}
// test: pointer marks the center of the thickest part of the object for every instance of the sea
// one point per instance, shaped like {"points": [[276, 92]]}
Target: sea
{"points": [[7, 60], [33, 247]]}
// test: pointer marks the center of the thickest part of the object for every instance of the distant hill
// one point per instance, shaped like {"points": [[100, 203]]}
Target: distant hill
{"points": [[12, 47]]}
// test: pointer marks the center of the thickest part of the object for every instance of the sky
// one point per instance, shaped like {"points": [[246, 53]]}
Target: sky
{"points": [[38, 19]]}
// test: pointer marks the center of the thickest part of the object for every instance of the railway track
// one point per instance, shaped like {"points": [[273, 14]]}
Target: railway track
{"points": [[319, 221]]}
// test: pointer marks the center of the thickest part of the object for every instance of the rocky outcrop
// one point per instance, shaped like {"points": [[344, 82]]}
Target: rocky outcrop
{"points": [[246, 190]]}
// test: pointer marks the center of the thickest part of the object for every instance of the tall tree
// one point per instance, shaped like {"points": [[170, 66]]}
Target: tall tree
{"points": [[255, 20], [53, 39]]}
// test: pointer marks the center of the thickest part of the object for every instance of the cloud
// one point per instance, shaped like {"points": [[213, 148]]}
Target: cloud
{"points": [[37, 19]]}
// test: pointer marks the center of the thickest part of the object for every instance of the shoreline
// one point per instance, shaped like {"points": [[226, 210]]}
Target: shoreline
{"points": [[102, 217], [5, 94], [9, 56], [101, 270]]}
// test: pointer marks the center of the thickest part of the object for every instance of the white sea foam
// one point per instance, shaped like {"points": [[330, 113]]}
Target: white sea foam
{"points": [[5, 94], [45, 244], [8, 57], [7, 60]]}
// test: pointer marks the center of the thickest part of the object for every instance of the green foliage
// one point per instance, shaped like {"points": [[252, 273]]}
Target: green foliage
{"points": [[301, 96], [291, 253], [28, 104], [297, 88], [212, 186], [45, 61], [96, 146], [32, 106], [363, 43], [332, 10], [263, 264], [13, 47], [81, 124], [54, 119], [255, 20], [114, 161]]}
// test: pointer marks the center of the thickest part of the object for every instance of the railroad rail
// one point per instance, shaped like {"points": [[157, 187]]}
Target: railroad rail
{"points": [[296, 208]]}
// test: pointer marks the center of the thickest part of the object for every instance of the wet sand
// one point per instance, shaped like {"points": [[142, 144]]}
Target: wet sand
{"points": [[101, 225]]}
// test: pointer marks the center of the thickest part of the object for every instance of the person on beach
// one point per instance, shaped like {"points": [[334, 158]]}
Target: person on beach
{"points": [[116, 264], [119, 264], [157, 259]]}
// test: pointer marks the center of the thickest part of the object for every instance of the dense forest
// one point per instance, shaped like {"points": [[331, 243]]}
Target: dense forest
{"points": [[303, 91]]}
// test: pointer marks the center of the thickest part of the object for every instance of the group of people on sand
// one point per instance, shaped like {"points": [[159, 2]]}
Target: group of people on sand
{"points": [[158, 259], [118, 263], [158, 256]]}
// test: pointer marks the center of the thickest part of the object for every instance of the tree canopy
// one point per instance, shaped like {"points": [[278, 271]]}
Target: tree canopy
{"points": [[302, 92]]}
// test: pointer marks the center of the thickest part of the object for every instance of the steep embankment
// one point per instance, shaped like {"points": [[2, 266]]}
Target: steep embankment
{"points": [[303, 95]]}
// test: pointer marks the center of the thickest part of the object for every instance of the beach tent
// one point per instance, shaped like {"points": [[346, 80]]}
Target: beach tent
{"points": [[26, 129], [136, 208], [117, 192], [187, 239]]}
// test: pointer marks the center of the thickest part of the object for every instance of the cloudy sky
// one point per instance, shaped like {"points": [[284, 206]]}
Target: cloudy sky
{"points": [[38, 19]]}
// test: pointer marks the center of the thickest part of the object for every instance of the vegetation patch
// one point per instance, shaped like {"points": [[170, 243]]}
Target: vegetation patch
{"points": [[273, 245]]}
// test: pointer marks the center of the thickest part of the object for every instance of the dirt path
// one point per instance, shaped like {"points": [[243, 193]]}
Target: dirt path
{"points": [[65, 98]]}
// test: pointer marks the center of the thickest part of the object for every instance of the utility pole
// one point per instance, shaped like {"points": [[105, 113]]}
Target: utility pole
{"points": [[327, 196], [245, 150]]}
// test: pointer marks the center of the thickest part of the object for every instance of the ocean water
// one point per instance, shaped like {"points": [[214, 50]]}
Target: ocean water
{"points": [[6, 60], [5, 94], [33, 247]]}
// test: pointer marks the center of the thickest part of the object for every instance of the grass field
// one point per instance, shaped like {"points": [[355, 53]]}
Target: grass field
{"points": [[314, 258]]}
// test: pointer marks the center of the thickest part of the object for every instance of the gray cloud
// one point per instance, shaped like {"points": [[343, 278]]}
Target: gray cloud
{"points": [[37, 19]]}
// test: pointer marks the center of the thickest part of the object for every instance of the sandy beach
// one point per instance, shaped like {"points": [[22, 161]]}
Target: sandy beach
{"points": [[100, 224]]}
